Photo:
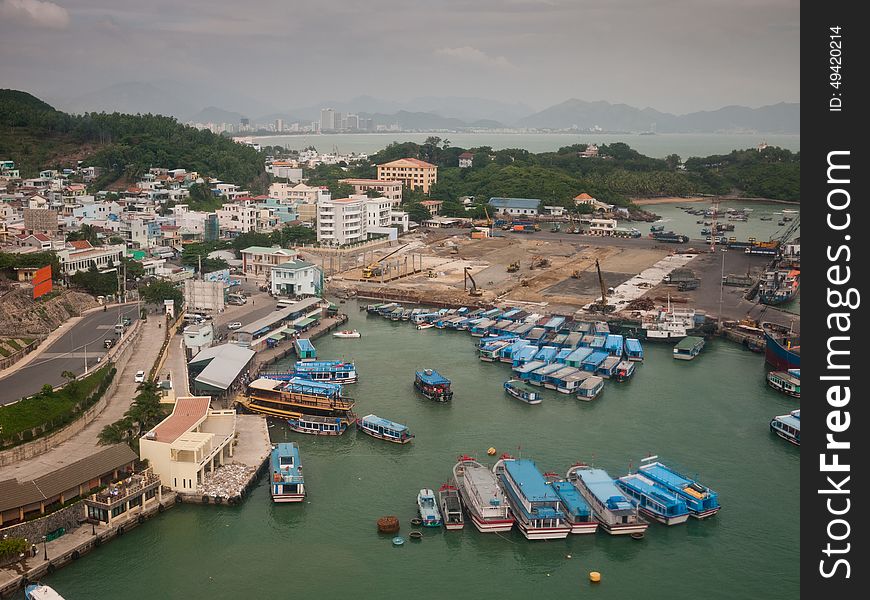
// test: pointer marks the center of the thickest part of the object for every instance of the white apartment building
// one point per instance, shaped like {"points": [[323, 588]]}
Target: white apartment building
{"points": [[400, 220], [238, 217], [295, 278], [74, 260], [298, 192], [342, 221], [378, 212]]}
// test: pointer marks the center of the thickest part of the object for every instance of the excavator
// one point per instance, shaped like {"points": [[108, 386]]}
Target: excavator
{"points": [[513, 267], [474, 291], [601, 305], [374, 269]]}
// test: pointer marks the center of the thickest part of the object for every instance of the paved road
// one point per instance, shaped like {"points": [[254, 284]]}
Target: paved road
{"points": [[81, 342]]}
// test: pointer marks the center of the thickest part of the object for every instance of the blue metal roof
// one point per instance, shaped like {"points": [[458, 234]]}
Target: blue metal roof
{"points": [[602, 486], [571, 498], [300, 385], [613, 342], [658, 492], [514, 203], [633, 345], [554, 323], [579, 354], [376, 421], [304, 344], [525, 353], [563, 354], [527, 477], [596, 358], [290, 472], [432, 377], [325, 366], [547, 353], [598, 341]]}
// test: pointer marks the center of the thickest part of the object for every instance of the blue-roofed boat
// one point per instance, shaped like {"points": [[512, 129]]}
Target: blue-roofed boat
{"points": [[450, 504], [287, 483], [591, 362], [489, 352], [384, 429], [317, 425], [539, 376], [428, 508], [296, 398], [788, 427], [433, 385], [590, 388], [38, 591], [534, 503], [607, 368], [577, 512], [787, 382], [522, 391], [332, 371], [654, 500], [616, 513], [633, 350], [614, 345], [304, 349], [482, 496], [624, 370], [547, 354], [524, 371], [576, 358], [523, 354], [563, 355], [701, 500]]}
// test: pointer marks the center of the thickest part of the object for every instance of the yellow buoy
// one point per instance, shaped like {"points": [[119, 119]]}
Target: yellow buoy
{"points": [[491, 451], [594, 576]]}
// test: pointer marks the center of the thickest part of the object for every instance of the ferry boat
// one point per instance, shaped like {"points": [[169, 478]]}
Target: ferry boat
{"points": [[333, 371], [428, 508], [701, 500], [482, 497], [297, 398], [787, 382], [451, 507], [688, 348], [654, 500], [616, 514], [384, 429], [314, 425], [779, 286], [287, 482], [788, 427], [782, 348], [577, 511], [432, 385], [38, 591], [533, 501], [522, 391], [347, 333]]}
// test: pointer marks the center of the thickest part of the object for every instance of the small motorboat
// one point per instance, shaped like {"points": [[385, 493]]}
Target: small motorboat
{"points": [[428, 508], [425, 325], [37, 591], [451, 507], [347, 333], [522, 391]]}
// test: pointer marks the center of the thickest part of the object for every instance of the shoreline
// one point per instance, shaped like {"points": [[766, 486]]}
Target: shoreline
{"points": [[694, 199]]}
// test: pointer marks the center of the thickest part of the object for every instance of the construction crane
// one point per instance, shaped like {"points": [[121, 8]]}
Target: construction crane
{"points": [[601, 305], [474, 291], [789, 232], [488, 218], [374, 269]]}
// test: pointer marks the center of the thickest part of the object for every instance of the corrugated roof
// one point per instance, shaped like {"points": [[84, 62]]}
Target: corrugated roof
{"points": [[224, 367], [278, 316], [529, 203]]}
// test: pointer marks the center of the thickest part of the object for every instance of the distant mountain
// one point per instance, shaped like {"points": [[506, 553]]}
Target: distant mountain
{"points": [[212, 114], [778, 118], [130, 97], [426, 120]]}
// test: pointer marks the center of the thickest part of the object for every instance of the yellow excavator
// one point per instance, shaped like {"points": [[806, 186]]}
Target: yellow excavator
{"points": [[375, 269], [474, 291]]}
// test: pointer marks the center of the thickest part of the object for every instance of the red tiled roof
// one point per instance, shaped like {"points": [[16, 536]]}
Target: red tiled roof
{"points": [[583, 196], [466, 155], [187, 412], [80, 244], [414, 161], [432, 203]]}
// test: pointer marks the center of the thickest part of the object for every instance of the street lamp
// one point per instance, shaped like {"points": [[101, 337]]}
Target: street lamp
{"points": [[45, 547]]}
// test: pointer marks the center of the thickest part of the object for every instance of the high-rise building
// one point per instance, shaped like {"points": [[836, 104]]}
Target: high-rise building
{"points": [[327, 119], [352, 122], [279, 125]]}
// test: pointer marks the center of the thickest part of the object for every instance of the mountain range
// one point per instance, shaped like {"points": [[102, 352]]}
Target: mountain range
{"points": [[428, 112]]}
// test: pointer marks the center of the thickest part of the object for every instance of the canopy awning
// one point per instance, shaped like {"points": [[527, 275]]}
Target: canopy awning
{"points": [[304, 322]]}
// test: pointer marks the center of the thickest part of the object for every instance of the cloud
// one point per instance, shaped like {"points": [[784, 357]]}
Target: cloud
{"points": [[469, 54], [35, 12]]}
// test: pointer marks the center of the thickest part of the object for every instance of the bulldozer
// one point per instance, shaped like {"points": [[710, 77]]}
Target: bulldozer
{"points": [[513, 267], [474, 290], [539, 262]]}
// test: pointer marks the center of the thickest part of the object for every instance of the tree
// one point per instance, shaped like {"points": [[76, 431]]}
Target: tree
{"points": [[673, 161], [87, 233], [289, 236], [144, 414], [158, 291], [94, 282], [417, 212]]}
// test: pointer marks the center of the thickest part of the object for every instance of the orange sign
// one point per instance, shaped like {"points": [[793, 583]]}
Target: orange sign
{"points": [[42, 282]]}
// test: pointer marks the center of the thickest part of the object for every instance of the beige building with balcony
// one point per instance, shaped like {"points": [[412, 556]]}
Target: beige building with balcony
{"points": [[388, 189], [257, 261], [414, 173]]}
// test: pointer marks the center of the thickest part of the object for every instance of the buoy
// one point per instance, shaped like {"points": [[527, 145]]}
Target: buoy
{"points": [[398, 540], [491, 451], [595, 577]]}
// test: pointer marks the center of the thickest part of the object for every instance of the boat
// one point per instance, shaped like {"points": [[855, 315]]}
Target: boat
{"points": [[451, 507], [432, 385], [333, 371], [296, 398], [616, 514], [347, 333], [654, 500], [481, 496], [384, 429], [425, 325], [701, 501], [765, 218], [590, 388], [38, 591], [522, 391], [787, 382], [782, 347], [670, 324], [688, 348], [577, 511], [779, 286], [287, 483], [534, 503], [625, 370], [428, 508], [314, 425], [788, 427]]}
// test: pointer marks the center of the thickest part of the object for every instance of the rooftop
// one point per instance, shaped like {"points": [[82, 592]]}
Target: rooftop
{"points": [[408, 162], [514, 202], [188, 412], [527, 477]]}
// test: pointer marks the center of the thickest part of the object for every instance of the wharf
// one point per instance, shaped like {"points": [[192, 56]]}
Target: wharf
{"points": [[269, 356]]}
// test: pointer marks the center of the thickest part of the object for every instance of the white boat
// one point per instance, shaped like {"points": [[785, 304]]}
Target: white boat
{"points": [[616, 514], [425, 325], [347, 333], [451, 507], [482, 497], [37, 591], [670, 324], [534, 503]]}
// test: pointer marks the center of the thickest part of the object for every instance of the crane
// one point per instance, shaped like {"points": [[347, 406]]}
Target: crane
{"points": [[488, 218], [601, 305], [474, 291], [374, 269]]}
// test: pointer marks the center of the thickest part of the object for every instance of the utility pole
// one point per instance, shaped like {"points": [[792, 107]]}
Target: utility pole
{"points": [[199, 266], [721, 289]]}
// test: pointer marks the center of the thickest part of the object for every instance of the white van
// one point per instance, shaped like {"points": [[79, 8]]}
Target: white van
{"points": [[236, 299]]}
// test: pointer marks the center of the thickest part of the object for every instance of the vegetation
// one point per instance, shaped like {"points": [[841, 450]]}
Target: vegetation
{"points": [[156, 292], [10, 261], [96, 283], [12, 547], [50, 410], [143, 415], [87, 233]]}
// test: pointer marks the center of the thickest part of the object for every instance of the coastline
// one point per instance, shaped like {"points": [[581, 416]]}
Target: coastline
{"points": [[691, 199]]}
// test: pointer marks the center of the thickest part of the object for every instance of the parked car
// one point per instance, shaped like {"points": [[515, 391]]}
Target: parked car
{"points": [[140, 376], [128, 321], [109, 342], [234, 325]]}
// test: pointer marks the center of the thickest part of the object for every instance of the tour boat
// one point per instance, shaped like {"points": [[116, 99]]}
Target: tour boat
{"points": [[654, 500], [787, 382], [673, 323], [287, 482], [316, 425], [383, 429], [701, 500], [38, 591], [333, 371], [590, 388], [428, 508], [688, 348], [577, 511], [433, 385], [296, 398], [347, 333], [788, 427], [482, 497], [616, 514], [522, 391], [451, 507], [538, 509]]}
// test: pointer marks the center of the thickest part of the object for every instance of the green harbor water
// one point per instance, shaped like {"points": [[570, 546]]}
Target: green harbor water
{"points": [[708, 416]]}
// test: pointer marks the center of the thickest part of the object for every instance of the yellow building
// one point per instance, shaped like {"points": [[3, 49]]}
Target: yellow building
{"points": [[414, 173]]}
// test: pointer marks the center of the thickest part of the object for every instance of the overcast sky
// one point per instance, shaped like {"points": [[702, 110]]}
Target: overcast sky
{"points": [[673, 55]]}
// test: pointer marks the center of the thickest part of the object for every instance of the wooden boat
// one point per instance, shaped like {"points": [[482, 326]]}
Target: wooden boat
{"points": [[522, 391], [451, 507], [317, 425], [433, 385], [347, 333], [384, 429], [787, 382]]}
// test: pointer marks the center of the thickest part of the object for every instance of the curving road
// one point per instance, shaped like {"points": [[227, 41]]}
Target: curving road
{"points": [[80, 342]]}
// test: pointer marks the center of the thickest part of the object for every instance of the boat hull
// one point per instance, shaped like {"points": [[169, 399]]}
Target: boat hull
{"points": [[665, 520], [786, 437], [782, 390], [626, 529], [544, 533], [379, 436], [288, 498], [779, 356], [298, 429], [582, 527], [491, 525], [705, 514], [453, 526]]}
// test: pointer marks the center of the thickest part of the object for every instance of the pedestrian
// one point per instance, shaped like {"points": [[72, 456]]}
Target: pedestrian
{"points": [[33, 550]]}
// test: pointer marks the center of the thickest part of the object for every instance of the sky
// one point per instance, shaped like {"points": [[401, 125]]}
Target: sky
{"points": [[676, 56]]}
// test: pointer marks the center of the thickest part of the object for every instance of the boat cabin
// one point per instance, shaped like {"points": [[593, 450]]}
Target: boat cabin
{"points": [[788, 427], [688, 348], [633, 349], [590, 388], [624, 370], [593, 360]]}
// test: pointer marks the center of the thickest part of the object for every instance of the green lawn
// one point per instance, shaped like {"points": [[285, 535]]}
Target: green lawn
{"points": [[4, 351], [14, 344]]}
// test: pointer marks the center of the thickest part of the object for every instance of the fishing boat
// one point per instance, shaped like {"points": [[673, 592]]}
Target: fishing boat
{"points": [[779, 286], [616, 513], [670, 324], [577, 512], [787, 382], [625, 370], [287, 483], [333, 371], [482, 497], [654, 500], [451, 507], [522, 391], [347, 333], [788, 427], [701, 500], [433, 385], [298, 398], [538, 509], [782, 347], [314, 425], [688, 348], [38, 591], [428, 508], [384, 429]]}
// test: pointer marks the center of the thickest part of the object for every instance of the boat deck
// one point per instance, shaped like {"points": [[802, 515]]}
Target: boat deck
{"points": [[571, 499]]}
